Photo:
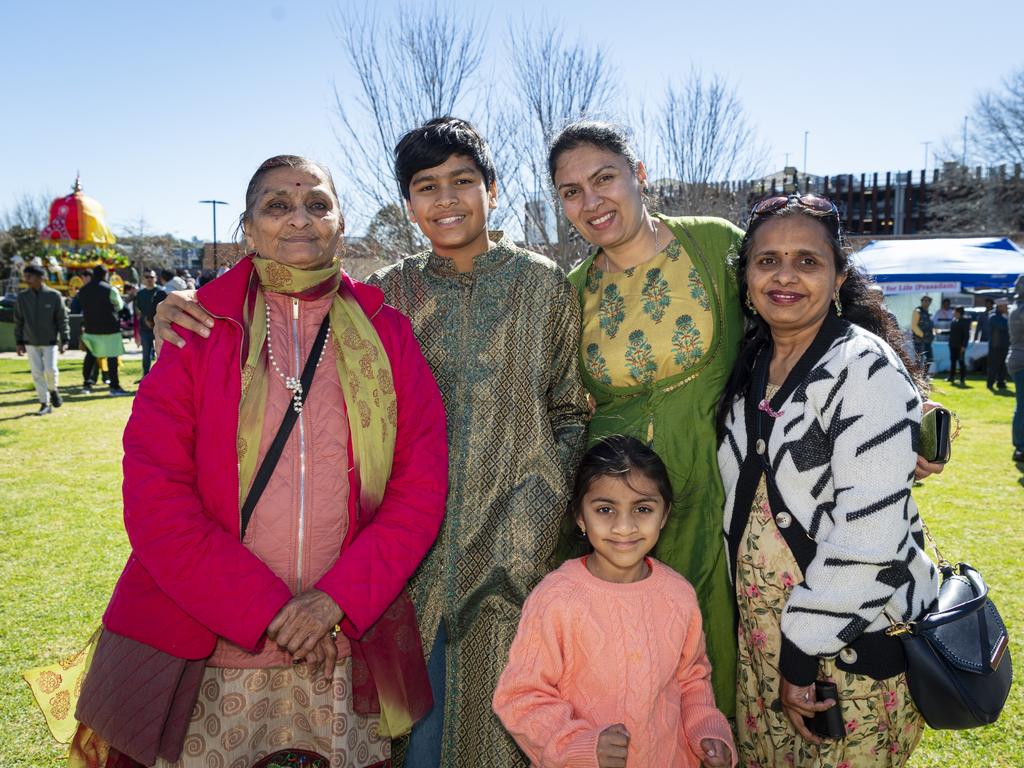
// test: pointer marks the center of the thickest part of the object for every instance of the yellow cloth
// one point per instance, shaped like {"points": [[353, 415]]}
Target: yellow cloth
{"points": [[56, 688], [646, 323]]}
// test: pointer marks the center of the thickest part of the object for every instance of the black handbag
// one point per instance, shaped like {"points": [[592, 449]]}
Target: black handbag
{"points": [[959, 668]]}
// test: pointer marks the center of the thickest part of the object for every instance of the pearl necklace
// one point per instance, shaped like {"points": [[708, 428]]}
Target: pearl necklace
{"points": [[291, 383]]}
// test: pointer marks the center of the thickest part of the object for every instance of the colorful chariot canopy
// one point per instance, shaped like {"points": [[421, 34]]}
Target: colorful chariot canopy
{"points": [[77, 220]]}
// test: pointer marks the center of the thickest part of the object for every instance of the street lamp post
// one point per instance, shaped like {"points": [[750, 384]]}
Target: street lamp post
{"points": [[963, 160], [806, 134], [213, 204]]}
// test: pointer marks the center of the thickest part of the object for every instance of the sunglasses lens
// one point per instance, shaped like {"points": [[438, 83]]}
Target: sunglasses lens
{"points": [[768, 205], [816, 203], [811, 202]]}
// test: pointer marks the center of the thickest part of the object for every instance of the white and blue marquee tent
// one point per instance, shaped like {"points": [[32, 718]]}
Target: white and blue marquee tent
{"points": [[909, 269], [957, 264]]}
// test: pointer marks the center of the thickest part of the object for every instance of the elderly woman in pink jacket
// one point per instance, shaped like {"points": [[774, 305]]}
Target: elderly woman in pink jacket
{"points": [[283, 476]]}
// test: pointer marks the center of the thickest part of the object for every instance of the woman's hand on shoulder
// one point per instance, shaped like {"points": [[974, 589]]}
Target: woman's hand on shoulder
{"points": [[798, 702], [180, 308], [924, 467], [304, 621]]}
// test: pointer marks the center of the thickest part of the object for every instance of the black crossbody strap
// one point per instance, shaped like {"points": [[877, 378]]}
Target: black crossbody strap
{"points": [[266, 469], [759, 427]]}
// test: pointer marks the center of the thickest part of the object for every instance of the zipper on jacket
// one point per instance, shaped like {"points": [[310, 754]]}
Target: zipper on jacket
{"points": [[296, 358]]}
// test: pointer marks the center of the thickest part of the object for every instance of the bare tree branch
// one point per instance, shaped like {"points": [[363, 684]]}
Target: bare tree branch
{"points": [[31, 211], [998, 133], [146, 249], [706, 138], [557, 81], [409, 70], [966, 201]]}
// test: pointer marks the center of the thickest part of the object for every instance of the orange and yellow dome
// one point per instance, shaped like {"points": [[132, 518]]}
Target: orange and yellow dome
{"points": [[77, 219]]}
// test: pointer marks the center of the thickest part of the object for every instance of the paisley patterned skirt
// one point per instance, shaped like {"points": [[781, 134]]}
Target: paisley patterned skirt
{"points": [[882, 724], [244, 715]]}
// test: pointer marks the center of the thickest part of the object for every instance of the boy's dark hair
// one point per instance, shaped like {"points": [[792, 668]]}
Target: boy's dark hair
{"points": [[32, 269], [613, 456], [434, 142], [166, 275], [958, 311]]}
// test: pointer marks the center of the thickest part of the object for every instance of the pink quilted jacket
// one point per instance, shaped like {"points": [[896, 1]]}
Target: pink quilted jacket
{"points": [[189, 580]]}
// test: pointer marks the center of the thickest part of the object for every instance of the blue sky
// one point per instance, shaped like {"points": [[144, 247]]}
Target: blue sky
{"points": [[160, 105]]}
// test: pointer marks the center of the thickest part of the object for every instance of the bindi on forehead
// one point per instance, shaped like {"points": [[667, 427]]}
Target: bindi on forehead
{"points": [[302, 186]]}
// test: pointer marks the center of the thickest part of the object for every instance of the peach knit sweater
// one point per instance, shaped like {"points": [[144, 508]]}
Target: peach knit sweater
{"points": [[591, 653]]}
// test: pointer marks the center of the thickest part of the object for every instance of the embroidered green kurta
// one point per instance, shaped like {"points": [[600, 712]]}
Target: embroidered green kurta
{"points": [[502, 341], [660, 383]]}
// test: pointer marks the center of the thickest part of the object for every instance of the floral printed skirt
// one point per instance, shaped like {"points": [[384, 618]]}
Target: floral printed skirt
{"points": [[244, 715], [882, 724]]}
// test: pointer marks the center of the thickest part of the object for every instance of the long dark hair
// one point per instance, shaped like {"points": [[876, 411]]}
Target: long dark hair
{"points": [[861, 306], [614, 456]]}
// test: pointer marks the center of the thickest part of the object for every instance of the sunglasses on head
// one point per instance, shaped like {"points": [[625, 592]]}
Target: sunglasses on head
{"points": [[816, 204]]}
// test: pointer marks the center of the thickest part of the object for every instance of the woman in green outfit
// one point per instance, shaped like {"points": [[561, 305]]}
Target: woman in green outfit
{"points": [[661, 328]]}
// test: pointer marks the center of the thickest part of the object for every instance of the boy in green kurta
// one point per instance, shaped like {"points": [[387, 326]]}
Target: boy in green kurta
{"points": [[499, 327]]}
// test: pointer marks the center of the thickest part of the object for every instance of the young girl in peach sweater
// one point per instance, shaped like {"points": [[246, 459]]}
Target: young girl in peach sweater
{"points": [[608, 668]]}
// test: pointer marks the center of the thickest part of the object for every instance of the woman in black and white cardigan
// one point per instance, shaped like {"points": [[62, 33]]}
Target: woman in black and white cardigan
{"points": [[819, 426]]}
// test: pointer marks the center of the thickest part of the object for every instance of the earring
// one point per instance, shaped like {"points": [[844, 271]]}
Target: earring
{"points": [[750, 305], [839, 306], [583, 533]]}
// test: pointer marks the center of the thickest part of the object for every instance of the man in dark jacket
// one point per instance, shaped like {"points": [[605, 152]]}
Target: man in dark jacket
{"points": [[101, 329], [145, 310], [981, 329], [959, 336], [41, 331], [998, 346]]}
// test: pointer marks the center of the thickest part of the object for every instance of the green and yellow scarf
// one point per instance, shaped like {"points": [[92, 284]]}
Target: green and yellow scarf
{"points": [[363, 370]]}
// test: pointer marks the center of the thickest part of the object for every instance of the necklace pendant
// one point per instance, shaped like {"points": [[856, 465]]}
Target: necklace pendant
{"points": [[766, 407], [297, 403]]}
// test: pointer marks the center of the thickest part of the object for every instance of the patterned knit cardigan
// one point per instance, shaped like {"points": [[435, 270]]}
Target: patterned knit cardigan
{"points": [[842, 453]]}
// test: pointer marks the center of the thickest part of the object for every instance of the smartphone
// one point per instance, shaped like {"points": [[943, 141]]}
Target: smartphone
{"points": [[827, 724], [937, 435]]}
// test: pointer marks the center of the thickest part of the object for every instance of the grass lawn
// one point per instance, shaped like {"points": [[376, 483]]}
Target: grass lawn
{"points": [[63, 544]]}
